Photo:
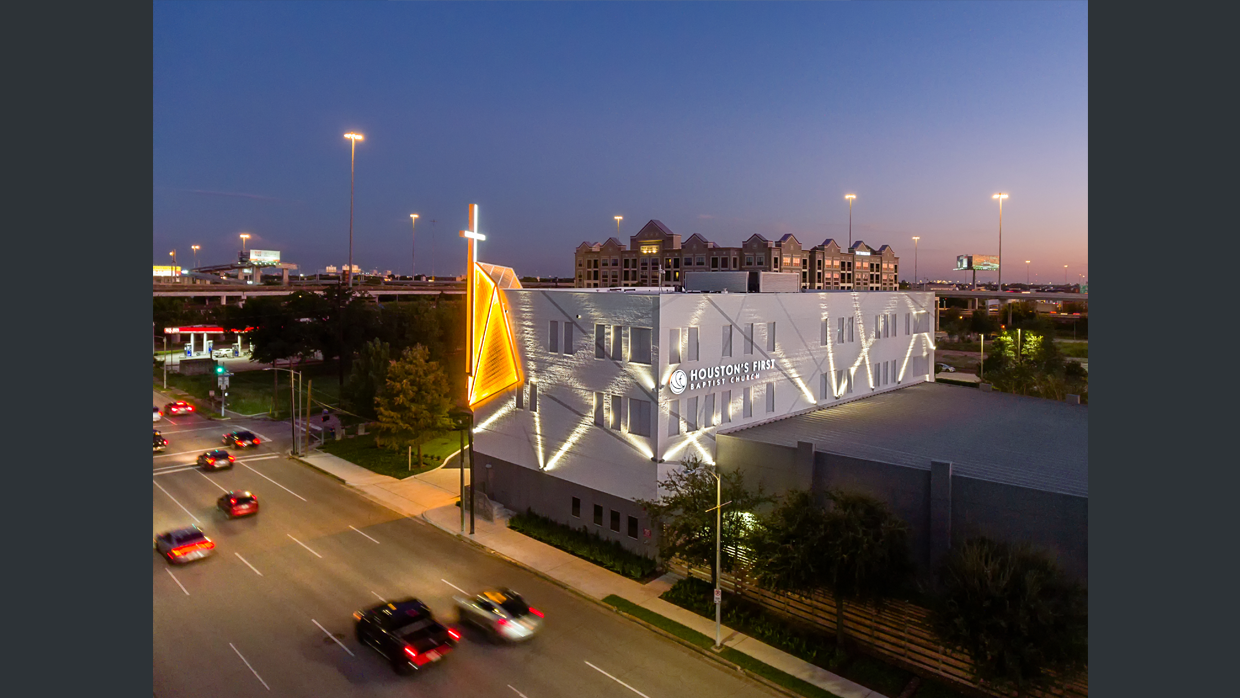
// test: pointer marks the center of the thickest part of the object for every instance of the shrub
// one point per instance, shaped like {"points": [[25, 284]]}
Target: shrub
{"points": [[584, 544]]}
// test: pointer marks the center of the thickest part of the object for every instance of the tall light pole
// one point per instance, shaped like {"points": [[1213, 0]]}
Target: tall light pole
{"points": [[1065, 275], [915, 239], [195, 248], [1026, 272], [850, 198], [413, 220], [1000, 196], [173, 255], [353, 139], [244, 237], [618, 219], [718, 546]]}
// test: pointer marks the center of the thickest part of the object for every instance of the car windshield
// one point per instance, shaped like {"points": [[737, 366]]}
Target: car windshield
{"points": [[243, 435]]}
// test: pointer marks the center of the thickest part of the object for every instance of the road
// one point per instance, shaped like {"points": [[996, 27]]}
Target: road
{"points": [[271, 612]]}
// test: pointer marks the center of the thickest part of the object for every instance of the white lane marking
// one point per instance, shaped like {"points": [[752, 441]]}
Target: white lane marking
{"points": [[518, 692], [260, 679], [180, 453], [277, 484], [454, 586], [247, 564], [261, 436], [303, 545], [162, 468], [643, 695], [379, 597], [179, 469], [351, 526], [174, 578], [187, 511], [265, 457], [213, 482], [333, 637]]}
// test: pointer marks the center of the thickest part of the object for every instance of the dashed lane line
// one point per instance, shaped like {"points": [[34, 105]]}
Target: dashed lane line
{"points": [[334, 638], [213, 482], [304, 545], [247, 663], [187, 511], [247, 564], [174, 578], [376, 542], [275, 483], [643, 695]]}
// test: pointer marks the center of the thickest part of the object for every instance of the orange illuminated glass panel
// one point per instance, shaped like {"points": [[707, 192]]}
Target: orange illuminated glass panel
{"points": [[495, 357]]}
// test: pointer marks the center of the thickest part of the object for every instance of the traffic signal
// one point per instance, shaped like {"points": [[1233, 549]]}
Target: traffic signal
{"points": [[219, 370]]}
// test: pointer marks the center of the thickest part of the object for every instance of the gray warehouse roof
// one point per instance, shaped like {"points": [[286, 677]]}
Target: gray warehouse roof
{"points": [[1024, 441]]}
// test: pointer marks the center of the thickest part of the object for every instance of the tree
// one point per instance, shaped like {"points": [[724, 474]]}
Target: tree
{"points": [[413, 405], [367, 377], [787, 542], [346, 321], [865, 552], [980, 322], [685, 512], [1029, 363], [1014, 612]]}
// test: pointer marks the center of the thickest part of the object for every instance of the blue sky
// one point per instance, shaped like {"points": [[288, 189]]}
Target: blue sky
{"points": [[724, 119]]}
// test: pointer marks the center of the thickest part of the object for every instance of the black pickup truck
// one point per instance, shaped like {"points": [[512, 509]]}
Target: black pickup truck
{"points": [[406, 634]]}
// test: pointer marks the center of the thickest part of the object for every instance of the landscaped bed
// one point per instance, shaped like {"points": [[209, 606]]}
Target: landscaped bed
{"points": [[363, 451], [584, 544]]}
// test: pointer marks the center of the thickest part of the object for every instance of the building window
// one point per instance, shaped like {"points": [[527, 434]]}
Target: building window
{"points": [[553, 340], [886, 375], [725, 406], [736, 262], [533, 397], [617, 407], [673, 418], [850, 330], [691, 415], [615, 520], [701, 260], [639, 417], [521, 396], [839, 331], [576, 508], [726, 344], [749, 260], [749, 338], [770, 336], [617, 343], [688, 261], [850, 380], [770, 397], [693, 344], [746, 403], [824, 390], [673, 345], [600, 409], [760, 260], [908, 323], [600, 341], [708, 411], [633, 527], [568, 339], [598, 514], [839, 381], [714, 262], [826, 330], [639, 345]]}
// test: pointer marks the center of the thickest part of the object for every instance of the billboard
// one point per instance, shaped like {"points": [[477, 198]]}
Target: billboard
{"points": [[977, 262], [167, 271], [265, 256]]}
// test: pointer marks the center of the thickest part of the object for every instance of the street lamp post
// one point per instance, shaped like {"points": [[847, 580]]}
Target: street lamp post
{"points": [[244, 237], [195, 248], [915, 239], [850, 198], [294, 384], [353, 139], [618, 219], [1000, 196], [1026, 272], [413, 257], [1065, 275]]}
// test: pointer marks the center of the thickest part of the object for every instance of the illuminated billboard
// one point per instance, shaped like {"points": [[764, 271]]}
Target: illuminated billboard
{"points": [[977, 262], [167, 271], [265, 256]]}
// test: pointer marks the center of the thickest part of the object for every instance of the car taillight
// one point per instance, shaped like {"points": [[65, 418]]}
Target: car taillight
{"points": [[186, 549], [257, 442], [210, 461], [357, 615], [231, 459], [411, 652], [232, 502], [536, 612], [501, 622], [189, 408], [454, 634]]}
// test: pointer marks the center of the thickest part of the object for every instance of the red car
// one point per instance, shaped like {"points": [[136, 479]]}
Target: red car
{"points": [[238, 503], [178, 407]]}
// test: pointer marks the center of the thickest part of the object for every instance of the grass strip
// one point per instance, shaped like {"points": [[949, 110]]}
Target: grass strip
{"points": [[737, 657], [363, 451]]}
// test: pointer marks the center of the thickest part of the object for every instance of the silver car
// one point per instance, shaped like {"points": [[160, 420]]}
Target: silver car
{"points": [[501, 613], [184, 545]]}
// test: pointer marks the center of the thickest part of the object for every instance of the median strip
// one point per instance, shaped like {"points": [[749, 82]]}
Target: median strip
{"points": [[740, 659]]}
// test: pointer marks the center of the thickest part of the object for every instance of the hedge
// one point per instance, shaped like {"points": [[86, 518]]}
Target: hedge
{"points": [[584, 544]]}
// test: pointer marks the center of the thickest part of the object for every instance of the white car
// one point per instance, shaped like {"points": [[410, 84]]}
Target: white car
{"points": [[222, 353], [944, 368], [156, 414]]}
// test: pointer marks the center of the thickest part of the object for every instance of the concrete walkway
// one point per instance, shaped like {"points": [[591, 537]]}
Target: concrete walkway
{"points": [[432, 495]]}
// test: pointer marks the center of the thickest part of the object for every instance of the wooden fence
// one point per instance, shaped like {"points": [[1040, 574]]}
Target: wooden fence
{"points": [[897, 632]]}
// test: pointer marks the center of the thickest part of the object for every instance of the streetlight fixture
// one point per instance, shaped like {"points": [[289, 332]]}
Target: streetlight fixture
{"points": [[719, 505], [413, 220], [353, 139], [850, 198], [915, 239], [1000, 196], [1026, 272], [195, 248], [297, 411], [618, 219], [1065, 275], [244, 237]]}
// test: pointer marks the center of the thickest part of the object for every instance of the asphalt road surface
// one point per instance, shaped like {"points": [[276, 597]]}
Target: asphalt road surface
{"points": [[270, 613]]}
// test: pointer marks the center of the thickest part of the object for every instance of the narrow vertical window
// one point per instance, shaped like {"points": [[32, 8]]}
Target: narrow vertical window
{"points": [[749, 338], [839, 331], [839, 381], [850, 331], [639, 345], [598, 514], [673, 418], [633, 527], [770, 336], [615, 520], [576, 508], [693, 344], [726, 344], [708, 411], [533, 397], [725, 406], [770, 397], [691, 415], [907, 323], [568, 339], [824, 390], [877, 328], [746, 403], [553, 340], [521, 396], [826, 329], [600, 410], [639, 417], [617, 342], [617, 406], [600, 341], [673, 345]]}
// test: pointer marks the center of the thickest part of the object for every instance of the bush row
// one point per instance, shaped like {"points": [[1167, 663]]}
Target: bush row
{"points": [[584, 544]]}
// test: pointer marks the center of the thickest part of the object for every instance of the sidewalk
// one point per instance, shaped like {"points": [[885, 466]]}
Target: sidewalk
{"points": [[432, 495]]}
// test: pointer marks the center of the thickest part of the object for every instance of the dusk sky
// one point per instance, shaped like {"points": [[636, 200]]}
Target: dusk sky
{"points": [[724, 119]]}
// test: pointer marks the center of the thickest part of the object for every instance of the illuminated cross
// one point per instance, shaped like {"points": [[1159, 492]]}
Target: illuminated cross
{"points": [[471, 235]]}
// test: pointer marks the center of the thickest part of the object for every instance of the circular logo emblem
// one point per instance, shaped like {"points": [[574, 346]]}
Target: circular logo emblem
{"points": [[678, 382]]}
